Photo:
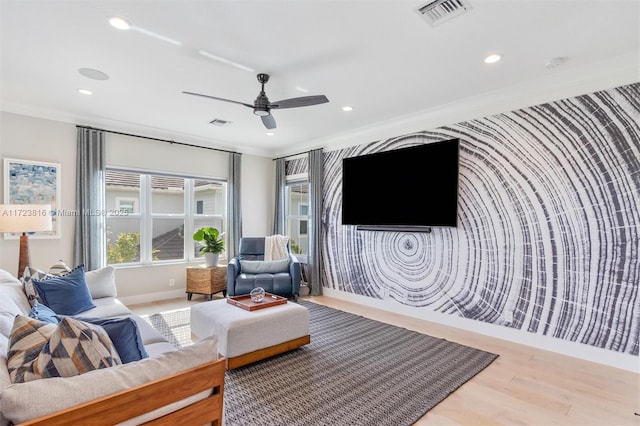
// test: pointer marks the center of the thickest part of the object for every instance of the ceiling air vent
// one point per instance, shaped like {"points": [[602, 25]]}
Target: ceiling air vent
{"points": [[439, 11], [219, 122]]}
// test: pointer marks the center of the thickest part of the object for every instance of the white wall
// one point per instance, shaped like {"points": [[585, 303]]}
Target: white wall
{"points": [[127, 151], [258, 194], [29, 138]]}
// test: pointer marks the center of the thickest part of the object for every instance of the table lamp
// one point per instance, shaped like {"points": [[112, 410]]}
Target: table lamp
{"points": [[25, 218]]}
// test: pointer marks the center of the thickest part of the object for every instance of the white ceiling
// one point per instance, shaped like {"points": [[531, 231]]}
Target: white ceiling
{"points": [[380, 57]]}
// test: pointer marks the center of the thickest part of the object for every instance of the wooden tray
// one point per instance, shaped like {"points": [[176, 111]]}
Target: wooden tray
{"points": [[244, 301]]}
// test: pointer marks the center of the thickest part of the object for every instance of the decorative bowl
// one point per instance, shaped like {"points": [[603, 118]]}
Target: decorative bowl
{"points": [[257, 295]]}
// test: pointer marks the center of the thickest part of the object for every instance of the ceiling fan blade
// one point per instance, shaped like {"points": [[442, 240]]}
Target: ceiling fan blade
{"points": [[300, 102], [218, 99], [268, 121]]}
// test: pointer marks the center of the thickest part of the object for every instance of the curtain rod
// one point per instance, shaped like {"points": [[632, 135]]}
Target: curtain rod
{"points": [[293, 155], [157, 139]]}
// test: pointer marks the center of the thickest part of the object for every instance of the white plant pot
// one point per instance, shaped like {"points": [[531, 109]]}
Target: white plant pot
{"points": [[211, 259], [304, 290]]}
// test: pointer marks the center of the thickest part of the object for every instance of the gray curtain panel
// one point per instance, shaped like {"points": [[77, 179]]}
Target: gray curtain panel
{"points": [[234, 210], [316, 159], [281, 182], [89, 245]]}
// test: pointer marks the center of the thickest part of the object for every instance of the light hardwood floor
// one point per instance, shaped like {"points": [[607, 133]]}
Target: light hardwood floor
{"points": [[524, 385]]}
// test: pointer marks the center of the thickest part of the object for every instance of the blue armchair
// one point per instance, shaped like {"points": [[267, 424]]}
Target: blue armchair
{"points": [[276, 277]]}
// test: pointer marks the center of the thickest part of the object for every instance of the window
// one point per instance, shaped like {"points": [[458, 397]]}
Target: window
{"points": [[297, 214], [127, 205], [152, 217], [212, 196], [303, 212]]}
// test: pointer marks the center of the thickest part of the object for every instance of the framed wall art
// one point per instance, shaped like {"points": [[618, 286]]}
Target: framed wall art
{"points": [[33, 182]]}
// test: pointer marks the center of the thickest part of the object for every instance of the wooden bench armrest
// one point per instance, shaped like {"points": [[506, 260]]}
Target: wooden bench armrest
{"points": [[130, 403]]}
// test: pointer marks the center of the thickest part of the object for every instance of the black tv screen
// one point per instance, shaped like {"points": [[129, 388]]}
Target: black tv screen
{"points": [[414, 187]]}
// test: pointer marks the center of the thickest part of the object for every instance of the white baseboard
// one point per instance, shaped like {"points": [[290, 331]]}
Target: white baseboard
{"points": [[152, 297], [552, 344]]}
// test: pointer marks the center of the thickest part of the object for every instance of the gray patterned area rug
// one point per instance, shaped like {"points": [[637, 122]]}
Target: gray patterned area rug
{"points": [[356, 371]]}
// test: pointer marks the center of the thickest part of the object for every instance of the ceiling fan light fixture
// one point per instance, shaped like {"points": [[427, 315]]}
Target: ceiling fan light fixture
{"points": [[261, 112]]}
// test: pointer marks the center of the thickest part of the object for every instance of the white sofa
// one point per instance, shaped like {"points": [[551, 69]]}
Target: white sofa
{"points": [[22, 402]]}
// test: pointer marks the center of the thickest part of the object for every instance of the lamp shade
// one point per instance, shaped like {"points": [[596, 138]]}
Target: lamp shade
{"points": [[25, 217]]}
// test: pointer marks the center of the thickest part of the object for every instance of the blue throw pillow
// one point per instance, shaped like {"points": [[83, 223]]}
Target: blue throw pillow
{"points": [[125, 335], [66, 295], [43, 313]]}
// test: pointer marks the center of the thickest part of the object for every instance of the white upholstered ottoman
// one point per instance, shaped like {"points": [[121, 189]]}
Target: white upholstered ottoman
{"points": [[248, 336]]}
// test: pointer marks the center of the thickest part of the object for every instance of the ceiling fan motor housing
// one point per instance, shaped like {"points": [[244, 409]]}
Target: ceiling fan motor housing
{"points": [[261, 104]]}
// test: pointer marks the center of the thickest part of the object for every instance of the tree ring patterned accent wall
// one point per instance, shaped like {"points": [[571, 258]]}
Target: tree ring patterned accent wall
{"points": [[548, 224]]}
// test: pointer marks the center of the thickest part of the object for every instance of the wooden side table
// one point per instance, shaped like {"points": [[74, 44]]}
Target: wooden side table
{"points": [[203, 280]]}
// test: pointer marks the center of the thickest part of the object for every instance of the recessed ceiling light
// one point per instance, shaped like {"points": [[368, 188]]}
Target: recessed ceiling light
{"points": [[492, 59], [85, 91], [347, 108], [270, 133], [119, 23], [302, 89], [93, 74], [123, 24]]}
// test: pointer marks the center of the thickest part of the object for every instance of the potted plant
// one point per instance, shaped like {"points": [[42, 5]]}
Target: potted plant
{"points": [[212, 244]]}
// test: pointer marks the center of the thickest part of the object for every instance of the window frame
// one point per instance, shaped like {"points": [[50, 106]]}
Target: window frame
{"points": [[290, 181], [146, 216]]}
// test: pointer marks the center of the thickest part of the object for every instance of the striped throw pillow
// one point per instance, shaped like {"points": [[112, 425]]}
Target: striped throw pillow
{"points": [[59, 268], [73, 347], [28, 337], [28, 276]]}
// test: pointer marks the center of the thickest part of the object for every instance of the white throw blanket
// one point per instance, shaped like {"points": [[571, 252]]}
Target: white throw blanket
{"points": [[275, 247]]}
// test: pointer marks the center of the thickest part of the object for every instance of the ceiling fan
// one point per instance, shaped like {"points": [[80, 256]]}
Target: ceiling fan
{"points": [[262, 106]]}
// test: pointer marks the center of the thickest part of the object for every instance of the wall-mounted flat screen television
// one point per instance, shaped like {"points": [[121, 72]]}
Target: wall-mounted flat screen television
{"points": [[408, 187]]}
